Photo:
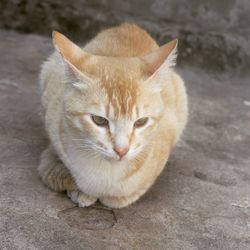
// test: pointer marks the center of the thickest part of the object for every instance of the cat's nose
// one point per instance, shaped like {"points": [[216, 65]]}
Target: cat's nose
{"points": [[121, 151]]}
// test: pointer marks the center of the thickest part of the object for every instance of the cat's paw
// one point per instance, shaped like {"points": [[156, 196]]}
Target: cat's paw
{"points": [[123, 201], [83, 200], [116, 202]]}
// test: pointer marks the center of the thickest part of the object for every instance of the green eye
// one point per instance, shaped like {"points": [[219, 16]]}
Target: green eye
{"points": [[141, 122], [99, 121]]}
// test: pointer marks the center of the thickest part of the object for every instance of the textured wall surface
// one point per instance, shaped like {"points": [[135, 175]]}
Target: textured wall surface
{"points": [[214, 34]]}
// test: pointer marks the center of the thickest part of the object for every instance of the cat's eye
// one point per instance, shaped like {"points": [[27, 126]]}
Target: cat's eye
{"points": [[99, 120], [141, 122]]}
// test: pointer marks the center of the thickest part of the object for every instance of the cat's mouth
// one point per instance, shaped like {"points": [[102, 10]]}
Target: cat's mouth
{"points": [[119, 159], [114, 158]]}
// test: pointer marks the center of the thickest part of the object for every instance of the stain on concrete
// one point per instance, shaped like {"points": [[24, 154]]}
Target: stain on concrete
{"points": [[94, 218]]}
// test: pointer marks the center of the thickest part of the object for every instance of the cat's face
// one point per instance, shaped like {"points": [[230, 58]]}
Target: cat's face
{"points": [[112, 105], [114, 117]]}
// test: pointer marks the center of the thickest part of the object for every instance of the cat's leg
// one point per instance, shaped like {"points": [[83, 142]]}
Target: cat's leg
{"points": [[123, 201], [57, 177], [80, 198], [53, 173]]}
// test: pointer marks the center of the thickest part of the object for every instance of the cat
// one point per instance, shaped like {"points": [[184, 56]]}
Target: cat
{"points": [[113, 111]]}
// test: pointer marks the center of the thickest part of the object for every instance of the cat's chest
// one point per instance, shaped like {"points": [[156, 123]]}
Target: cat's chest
{"points": [[98, 177]]}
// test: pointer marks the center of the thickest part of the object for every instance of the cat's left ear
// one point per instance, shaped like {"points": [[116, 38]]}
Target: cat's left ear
{"points": [[74, 57], [160, 62]]}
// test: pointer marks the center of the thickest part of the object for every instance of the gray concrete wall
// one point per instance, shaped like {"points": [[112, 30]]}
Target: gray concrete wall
{"points": [[213, 34]]}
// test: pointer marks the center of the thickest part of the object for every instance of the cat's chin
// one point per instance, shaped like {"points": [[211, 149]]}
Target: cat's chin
{"points": [[115, 159]]}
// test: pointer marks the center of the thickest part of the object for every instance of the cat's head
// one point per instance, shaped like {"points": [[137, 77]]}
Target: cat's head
{"points": [[114, 105]]}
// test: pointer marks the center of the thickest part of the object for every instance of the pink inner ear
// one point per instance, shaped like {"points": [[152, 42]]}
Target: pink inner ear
{"points": [[156, 58], [72, 54]]}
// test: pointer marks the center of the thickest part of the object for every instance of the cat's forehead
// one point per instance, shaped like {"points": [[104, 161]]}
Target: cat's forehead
{"points": [[121, 90], [119, 81]]}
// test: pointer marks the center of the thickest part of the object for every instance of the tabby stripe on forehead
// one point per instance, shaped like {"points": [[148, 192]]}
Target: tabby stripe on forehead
{"points": [[121, 95]]}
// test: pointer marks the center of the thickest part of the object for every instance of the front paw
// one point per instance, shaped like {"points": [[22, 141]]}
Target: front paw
{"points": [[81, 199], [116, 202]]}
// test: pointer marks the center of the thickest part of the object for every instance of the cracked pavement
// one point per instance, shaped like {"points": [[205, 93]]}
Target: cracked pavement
{"points": [[201, 200]]}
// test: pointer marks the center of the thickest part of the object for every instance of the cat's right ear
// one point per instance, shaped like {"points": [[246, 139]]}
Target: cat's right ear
{"points": [[74, 58], [160, 62]]}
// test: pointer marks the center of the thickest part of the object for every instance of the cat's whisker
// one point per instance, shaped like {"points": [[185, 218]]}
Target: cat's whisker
{"points": [[91, 154], [92, 151]]}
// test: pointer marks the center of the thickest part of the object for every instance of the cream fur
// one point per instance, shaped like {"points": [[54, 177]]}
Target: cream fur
{"points": [[87, 173]]}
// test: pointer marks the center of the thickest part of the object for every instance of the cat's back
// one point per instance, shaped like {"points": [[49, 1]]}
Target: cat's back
{"points": [[125, 40]]}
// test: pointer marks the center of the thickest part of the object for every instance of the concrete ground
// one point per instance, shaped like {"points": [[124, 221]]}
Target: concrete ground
{"points": [[201, 200]]}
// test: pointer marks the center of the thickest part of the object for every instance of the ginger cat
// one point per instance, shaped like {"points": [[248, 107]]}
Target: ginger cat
{"points": [[113, 112]]}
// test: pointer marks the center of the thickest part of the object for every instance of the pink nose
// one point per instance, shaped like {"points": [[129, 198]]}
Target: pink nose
{"points": [[121, 151]]}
